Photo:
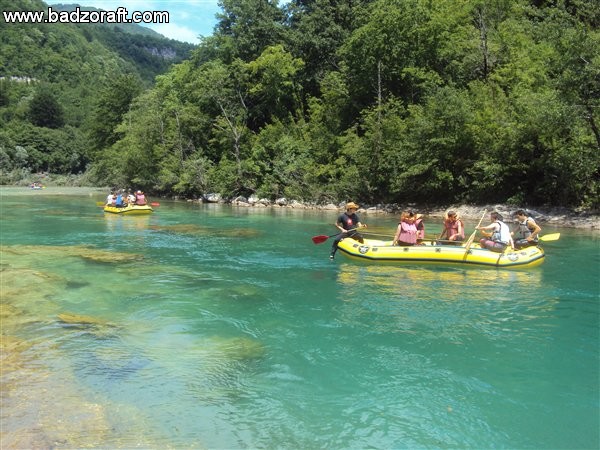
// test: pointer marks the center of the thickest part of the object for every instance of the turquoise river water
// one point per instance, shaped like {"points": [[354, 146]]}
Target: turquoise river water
{"points": [[204, 326]]}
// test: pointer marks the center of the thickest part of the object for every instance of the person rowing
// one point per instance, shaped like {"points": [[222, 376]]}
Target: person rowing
{"points": [[527, 231], [347, 223], [497, 234]]}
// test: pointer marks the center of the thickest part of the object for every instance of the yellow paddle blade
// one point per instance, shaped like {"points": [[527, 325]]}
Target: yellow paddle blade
{"points": [[550, 237], [100, 203]]}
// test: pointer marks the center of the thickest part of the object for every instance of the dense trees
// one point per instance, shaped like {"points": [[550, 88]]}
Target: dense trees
{"points": [[64, 89], [111, 104], [44, 109], [375, 100]]}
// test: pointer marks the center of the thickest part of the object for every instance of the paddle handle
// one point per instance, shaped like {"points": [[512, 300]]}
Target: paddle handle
{"points": [[323, 237], [472, 237]]}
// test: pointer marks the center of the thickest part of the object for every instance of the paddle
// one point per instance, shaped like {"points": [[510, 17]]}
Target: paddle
{"points": [[550, 237], [472, 237], [323, 237], [103, 204], [368, 233]]}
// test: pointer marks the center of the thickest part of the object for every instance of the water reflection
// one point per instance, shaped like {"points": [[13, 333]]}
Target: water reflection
{"points": [[406, 278], [439, 303], [116, 223]]}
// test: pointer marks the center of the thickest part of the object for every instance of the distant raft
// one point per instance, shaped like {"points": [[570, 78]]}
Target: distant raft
{"points": [[129, 209], [377, 251]]}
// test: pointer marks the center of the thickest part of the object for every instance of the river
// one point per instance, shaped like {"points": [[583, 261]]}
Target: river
{"points": [[210, 326]]}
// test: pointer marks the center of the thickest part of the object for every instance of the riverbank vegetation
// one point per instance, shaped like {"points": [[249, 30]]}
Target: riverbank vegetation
{"points": [[380, 101]]}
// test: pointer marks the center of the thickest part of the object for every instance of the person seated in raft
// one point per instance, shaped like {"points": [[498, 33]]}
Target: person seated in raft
{"points": [[130, 198], [140, 198], [406, 233], [454, 230], [120, 201], [420, 228], [347, 223], [497, 235], [527, 231], [110, 199]]}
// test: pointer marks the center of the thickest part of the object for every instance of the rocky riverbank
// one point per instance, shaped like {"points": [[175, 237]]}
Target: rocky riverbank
{"points": [[557, 216]]}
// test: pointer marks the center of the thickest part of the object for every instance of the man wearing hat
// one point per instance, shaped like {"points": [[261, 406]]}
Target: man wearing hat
{"points": [[348, 222]]}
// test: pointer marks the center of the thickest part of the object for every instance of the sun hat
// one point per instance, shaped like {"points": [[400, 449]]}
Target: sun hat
{"points": [[351, 205]]}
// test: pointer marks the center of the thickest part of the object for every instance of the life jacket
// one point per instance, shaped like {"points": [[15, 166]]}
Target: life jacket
{"points": [[408, 232], [452, 227], [119, 201], [524, 231], [140, 199], [501, 235]]}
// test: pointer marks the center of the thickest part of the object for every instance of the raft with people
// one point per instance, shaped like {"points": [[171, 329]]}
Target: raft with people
{"points": [[379, 251], [497, 248], [130, 209], [118, 202]]}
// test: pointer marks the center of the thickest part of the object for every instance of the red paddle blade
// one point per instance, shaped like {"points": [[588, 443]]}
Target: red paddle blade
{"points": [[320, 239], [154, 204]]}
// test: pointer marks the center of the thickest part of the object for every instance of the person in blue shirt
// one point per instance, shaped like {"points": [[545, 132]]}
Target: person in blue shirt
{"points": [[120, 201]]}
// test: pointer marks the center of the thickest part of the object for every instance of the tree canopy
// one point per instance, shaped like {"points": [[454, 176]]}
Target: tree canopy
{"points": [[374, 100]]}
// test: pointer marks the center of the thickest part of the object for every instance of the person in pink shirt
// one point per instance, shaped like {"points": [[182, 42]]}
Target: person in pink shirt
{"points": [[454, 230], [406, 233], [140, 198]]}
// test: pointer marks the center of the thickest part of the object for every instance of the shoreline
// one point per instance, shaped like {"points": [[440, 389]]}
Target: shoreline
{"points": [[555, 216]]}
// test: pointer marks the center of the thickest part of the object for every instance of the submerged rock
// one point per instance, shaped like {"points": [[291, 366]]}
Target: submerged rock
{"points": [[239, 348], [197, 230], [81, 251], [77, 319]]}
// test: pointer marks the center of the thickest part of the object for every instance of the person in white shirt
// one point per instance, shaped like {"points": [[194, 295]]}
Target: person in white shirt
{"points": [[497, 235]]}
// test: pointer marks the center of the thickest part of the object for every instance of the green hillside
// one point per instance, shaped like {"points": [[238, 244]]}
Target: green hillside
{"points": [[379, 101], [63, 69], [148, 51]]}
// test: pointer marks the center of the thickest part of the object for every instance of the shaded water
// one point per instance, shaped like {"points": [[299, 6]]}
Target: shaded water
{"points": [[217, 327]]}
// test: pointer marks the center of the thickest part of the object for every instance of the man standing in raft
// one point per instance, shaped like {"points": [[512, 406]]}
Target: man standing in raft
{"points": [[348, 222]]}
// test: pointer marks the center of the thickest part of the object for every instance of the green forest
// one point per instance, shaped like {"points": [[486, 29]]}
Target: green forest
{"points": [[378, 101]]}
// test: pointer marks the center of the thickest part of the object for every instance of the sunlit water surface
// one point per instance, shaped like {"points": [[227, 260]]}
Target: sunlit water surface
{"points": [[206, 326]]}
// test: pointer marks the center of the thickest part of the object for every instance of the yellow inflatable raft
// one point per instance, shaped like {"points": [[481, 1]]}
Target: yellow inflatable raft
{"points": [[384, 252], [129, 210]]}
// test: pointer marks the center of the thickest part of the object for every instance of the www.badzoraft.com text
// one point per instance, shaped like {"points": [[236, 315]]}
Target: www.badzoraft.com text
{"points": [[121, 15]]}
